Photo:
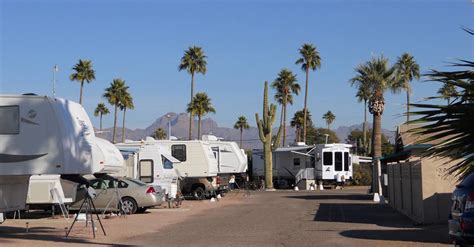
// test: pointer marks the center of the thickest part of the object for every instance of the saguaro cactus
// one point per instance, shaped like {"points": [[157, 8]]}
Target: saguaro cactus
{"points": [[265, 133]]}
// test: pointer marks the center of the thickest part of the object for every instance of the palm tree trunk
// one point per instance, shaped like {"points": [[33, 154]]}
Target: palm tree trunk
{"points": [[377, 151], [123, 125], [115, 123], [100, 130], [284, 122], [199, 127], [305, 102], [241, 131], [408, 106], [80, 95], [281, 122], [364, 137], [190, 114]]}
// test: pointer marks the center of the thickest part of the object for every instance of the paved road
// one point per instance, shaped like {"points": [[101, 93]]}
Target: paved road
{"points": [[289, 218]]}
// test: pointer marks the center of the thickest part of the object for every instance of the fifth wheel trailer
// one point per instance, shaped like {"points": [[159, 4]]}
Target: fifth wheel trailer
{"points": [[44, 135]]}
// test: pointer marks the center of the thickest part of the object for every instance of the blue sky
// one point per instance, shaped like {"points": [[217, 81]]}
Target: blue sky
{"points": [[247, 42]]}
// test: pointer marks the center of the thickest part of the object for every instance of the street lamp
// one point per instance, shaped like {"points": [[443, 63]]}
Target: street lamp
{"points": [[55, 70], [169, 126]]}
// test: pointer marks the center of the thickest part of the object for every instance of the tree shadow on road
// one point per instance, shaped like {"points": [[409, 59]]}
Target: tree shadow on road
{"points": [[413, 235], [356, 197], [47, 234]]}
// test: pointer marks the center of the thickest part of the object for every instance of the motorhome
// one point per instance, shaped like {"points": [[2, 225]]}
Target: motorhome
{"points": [[198, 167], [44, 135], [303, 165], [151, 163]]}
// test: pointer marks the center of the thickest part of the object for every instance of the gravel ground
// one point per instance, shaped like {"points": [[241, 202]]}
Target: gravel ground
{"points": [[280, 218]]}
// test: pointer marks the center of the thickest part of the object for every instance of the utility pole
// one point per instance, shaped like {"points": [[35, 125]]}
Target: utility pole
{"points": [[169, 126]]}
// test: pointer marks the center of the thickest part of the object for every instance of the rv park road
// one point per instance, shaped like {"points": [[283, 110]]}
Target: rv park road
{"points": [[279, 218]]}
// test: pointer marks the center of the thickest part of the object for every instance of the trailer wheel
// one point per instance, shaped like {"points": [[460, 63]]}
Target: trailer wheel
{"points": [[199, 193]]}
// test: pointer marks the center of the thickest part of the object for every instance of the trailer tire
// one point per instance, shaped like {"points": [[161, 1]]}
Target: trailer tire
{"points": [[199, 193]]}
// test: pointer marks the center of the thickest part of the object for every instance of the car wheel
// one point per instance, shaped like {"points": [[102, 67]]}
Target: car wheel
{"points": [[199, 193], [129, 206]]}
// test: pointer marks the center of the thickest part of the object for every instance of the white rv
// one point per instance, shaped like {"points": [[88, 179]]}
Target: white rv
{"points": [[198, 167], [150, 163], [316, 163], [333, 161], [43, 135]]}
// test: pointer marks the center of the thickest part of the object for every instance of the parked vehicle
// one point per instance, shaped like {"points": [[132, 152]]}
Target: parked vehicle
{"points": [[461, 219], [44, 135], [231, 160], [151, 164], [198, 167], [136, 195]]}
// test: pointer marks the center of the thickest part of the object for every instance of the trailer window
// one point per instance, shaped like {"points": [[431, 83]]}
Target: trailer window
{"points": [[327, 158], [296, 162], [9, 120], [346, 161], [179, 152], [145, 171], [167, 164], [338, 161]]}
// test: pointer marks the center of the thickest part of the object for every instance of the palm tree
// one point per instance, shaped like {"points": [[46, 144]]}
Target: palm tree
{"points": [[406, 70], [363, 94], [241, 124], [159, 134], [448, 91], [193, 61], [286, 85], [126, 102], [83, 73], [329, 117], [309, 60], [101, 110], [451, 123], [297, 122], [114, 94], [200, 106], [379, 76]]}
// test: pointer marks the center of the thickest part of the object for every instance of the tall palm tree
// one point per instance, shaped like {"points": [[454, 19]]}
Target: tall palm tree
{"points": [[297, 122], [329, 117], [380, 77], [309, 60], [200, 106], [447, 91], [406, 70], [101, 110], [241, 124], [114, 94], [285, 85], [126, 102], [159, 134], [193, 61], [363, 95], [83, 72]]}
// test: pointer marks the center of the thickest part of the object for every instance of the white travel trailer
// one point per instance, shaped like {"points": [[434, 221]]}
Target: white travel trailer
{"points": [[230, 158], [43, 135], [317, 163], [198, 167], [150, 163], [333, 161]]}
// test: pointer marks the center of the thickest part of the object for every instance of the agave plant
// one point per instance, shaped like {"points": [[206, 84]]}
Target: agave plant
{"points": [[451, 123]]}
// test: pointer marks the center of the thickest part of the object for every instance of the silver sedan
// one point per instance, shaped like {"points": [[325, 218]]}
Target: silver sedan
{"points": [[136, 196]]}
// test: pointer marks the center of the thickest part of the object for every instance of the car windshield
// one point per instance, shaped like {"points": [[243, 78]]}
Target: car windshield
{"points": [[468, 182]]}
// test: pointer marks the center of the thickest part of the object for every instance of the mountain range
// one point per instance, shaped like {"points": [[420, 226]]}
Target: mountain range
{"points": [[179, 128]]}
